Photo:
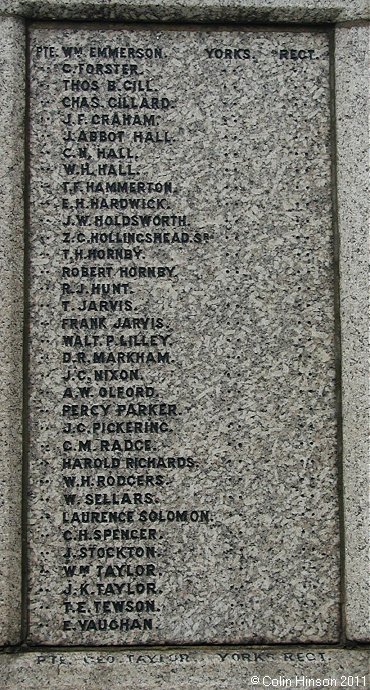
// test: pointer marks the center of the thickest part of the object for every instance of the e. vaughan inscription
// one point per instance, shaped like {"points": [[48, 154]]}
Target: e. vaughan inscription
{"points": [[181, 381]]}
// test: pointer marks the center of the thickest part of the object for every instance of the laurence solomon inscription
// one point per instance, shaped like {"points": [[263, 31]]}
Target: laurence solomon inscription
{"points": [[182, 470]]}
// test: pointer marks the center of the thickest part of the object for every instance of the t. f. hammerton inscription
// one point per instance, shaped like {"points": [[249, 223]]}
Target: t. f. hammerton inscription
{"points": [[182, 420]]}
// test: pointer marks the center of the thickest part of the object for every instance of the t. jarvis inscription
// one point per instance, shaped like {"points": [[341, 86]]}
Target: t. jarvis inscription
{"points": [[181, 402]]}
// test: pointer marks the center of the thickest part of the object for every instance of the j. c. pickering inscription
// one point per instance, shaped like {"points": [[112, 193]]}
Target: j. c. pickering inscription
{"points": [[182, 403]]}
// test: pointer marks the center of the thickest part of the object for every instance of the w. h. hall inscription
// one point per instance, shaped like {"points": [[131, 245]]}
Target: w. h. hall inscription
{"points": [[182, 386]]}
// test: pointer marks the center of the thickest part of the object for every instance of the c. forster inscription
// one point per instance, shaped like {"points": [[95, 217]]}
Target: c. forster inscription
{"points": [[182, 420]]}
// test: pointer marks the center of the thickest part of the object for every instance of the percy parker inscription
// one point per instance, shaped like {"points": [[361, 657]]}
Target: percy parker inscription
{"points": [[182, 483]]}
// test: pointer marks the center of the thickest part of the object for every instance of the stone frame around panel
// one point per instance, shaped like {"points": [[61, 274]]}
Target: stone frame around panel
{"points": [[12, 108], [352, 78], [352, 89]]}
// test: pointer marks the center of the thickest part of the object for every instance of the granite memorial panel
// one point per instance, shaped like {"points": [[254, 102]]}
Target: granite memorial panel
{"points": [[182, 397]]}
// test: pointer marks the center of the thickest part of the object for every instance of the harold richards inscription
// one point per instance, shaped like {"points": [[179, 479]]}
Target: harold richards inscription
{"points": [[182, 469]]}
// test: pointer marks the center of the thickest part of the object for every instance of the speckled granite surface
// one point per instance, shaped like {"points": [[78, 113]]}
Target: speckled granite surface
{"points": [[11, 310], [186, 669], [353, 137], [294, 11], [235, 490]]}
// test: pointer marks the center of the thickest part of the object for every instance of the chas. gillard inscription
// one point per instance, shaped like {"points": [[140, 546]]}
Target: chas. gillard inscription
{"points": [[182, 386]]}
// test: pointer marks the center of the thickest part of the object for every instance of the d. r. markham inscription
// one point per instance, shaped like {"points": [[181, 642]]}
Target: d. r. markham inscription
{"points": [[182, 384]]}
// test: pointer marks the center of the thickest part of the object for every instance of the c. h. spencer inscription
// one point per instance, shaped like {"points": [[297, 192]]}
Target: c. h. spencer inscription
{"points": [[182, 479]]}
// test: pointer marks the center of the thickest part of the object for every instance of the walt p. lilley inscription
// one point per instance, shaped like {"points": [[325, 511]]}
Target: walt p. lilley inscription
{"points": [[182, 481]]}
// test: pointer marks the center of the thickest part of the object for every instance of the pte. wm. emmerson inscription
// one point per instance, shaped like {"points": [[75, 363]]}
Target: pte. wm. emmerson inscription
{"points": [[182, 420]]}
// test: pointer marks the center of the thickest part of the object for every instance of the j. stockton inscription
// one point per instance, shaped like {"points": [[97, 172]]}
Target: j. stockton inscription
{"points": [[182, 385]]}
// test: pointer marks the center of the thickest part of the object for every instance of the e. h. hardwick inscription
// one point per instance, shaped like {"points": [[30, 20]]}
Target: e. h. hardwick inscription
{"points": [[182, 483]]}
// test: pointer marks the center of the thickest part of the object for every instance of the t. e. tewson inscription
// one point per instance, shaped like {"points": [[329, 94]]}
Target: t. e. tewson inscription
{"points": [[182, 407]]}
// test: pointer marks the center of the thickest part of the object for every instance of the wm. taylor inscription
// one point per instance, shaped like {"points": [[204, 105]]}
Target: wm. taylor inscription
{"points": [[182, 422]]}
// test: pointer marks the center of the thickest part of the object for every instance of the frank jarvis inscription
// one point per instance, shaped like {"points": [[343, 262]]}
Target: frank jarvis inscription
{"points": [[182, 384]]}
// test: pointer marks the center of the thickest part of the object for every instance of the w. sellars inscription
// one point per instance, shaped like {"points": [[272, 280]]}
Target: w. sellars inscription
{"points": [[182, 386]]}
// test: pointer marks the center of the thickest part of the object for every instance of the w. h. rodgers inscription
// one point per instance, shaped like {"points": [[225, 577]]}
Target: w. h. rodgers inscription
{"points": [[181, 399]]}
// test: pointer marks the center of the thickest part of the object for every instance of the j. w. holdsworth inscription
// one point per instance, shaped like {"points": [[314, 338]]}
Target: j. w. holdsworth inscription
{"points": [[182, 385]]}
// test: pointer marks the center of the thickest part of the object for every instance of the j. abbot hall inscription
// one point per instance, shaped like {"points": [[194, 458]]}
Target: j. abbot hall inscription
{"points": [[182, 416]]}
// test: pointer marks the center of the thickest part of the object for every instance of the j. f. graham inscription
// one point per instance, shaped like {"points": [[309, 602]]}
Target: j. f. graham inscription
{"points": [[182, 420]]}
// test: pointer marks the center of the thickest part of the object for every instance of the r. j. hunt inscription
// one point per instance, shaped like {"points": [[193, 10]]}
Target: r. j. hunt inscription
{"points": [[182, 386]]}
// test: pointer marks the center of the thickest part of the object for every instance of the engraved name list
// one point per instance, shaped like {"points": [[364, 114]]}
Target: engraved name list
{"points": [[181, 347]]}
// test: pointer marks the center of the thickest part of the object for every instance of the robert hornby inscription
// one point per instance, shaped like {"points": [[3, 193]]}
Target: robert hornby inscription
{"points": [[182, 423]]}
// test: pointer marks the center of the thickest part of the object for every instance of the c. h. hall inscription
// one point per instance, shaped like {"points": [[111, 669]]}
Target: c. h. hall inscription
{"points": [[182, 385]]}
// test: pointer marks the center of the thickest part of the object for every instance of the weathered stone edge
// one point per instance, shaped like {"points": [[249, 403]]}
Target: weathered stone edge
{"points": [[352, 49], [11, 321], [293, 11], [185, 669]]}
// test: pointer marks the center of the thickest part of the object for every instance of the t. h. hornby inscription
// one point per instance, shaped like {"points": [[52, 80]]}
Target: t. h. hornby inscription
{"points": [[182, 469]]}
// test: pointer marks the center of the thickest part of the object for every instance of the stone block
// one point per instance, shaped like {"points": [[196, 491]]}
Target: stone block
{"points": [[11, 322], [353, 111]]}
